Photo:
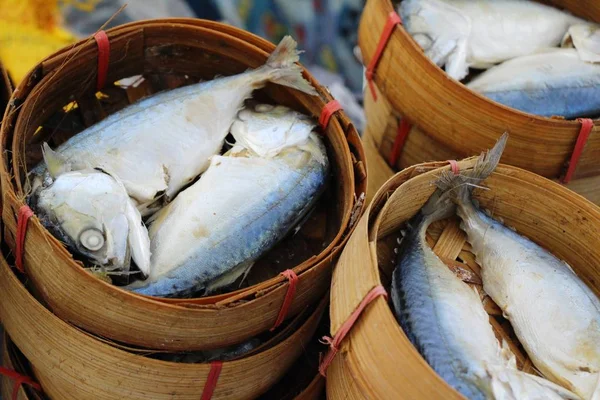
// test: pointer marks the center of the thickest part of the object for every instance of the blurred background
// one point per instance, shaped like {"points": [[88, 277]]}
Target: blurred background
{"points": [[325, 29]]}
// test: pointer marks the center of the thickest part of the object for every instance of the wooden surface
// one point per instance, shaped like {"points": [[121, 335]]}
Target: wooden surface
{"points": [[377, 360], [456, 122], [169, 53]]}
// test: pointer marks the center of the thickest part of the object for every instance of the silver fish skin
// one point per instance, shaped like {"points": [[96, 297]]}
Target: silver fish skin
{"points": [[212, 233], [556, 317], [225, 354], [463, 34], [554, 82], [445, 320], [161, 143]]}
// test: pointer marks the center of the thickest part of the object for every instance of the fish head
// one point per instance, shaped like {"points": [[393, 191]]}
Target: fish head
{"points": [[441, 30], [266, 129], [91, 212]]}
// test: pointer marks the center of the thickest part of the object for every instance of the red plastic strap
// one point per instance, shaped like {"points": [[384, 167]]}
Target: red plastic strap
{"points": [[586, 128], [103, 57], [454, 167], [289, 297], [404, 128], [20, 380], [212, 379], [22, 222], [393, 20], [346, 326], [330, 108]]}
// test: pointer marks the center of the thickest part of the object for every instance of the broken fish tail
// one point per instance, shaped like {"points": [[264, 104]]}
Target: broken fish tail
{"points": [[459, 187], [282, 68]]}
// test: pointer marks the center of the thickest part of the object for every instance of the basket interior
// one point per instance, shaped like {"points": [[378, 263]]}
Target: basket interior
{"points": [[448, 241], [66, 103]]}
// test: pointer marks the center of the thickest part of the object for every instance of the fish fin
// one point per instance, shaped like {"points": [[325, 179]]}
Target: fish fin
{"points": [[138, 239], [508, 383], [596, 392], [456, 65], [586, 40], [55, 162], [283, 67], [460, 186], [229, 277]]}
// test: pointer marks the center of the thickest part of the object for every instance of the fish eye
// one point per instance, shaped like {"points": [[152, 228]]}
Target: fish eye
{"points": [[92, 239]]}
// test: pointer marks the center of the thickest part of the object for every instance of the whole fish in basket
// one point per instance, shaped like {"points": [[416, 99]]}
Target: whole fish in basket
{"points": [[246, 202], [463, 34]]}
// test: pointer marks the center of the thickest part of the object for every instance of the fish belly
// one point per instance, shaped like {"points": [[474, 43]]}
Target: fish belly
{"points": [[237, 211], [501, 30], [554, 314]]}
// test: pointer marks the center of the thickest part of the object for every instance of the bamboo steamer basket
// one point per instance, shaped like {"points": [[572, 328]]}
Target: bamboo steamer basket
{"points": [[13, 359], [451, 121], [70, 363], [168, 53], [376, 360]]}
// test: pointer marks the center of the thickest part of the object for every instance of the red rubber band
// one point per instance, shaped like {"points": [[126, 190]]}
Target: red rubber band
{"points": [[212, 379], [330, 108], [103, 57], [393, 20], [586, 129], [22, 222], [289, 297], [20, 380], [337, 339], [404, 128], [454, 167]]}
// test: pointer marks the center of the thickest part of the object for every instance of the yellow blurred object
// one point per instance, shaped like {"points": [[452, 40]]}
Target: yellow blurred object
{"points": [[29, 32]]}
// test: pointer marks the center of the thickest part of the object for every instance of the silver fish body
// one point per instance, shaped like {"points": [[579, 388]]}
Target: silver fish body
{"points": [[161, 143], [555, 82], [554, 314], [241, 207], [463, 34]]}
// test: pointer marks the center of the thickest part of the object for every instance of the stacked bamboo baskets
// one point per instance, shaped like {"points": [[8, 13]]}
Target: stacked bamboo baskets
{"points": [[376, 360], [87, 339], [451, 122]]}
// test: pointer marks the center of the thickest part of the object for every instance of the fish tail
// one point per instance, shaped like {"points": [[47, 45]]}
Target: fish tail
{"points": [[283, 68], [459, 187], [508, 383]]}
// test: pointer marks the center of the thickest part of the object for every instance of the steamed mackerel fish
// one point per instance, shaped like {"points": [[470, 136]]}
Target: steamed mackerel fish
{"points": [[161, 143], [554, 314], [553, 82], [445, 320], [214, 231], [92, 214], [463, 34]]}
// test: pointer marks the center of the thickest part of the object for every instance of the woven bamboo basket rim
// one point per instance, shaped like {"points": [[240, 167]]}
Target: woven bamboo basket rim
{"points": [[376, 359], [268, 293], [446, 106], [381, 135], [61, 357]]}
